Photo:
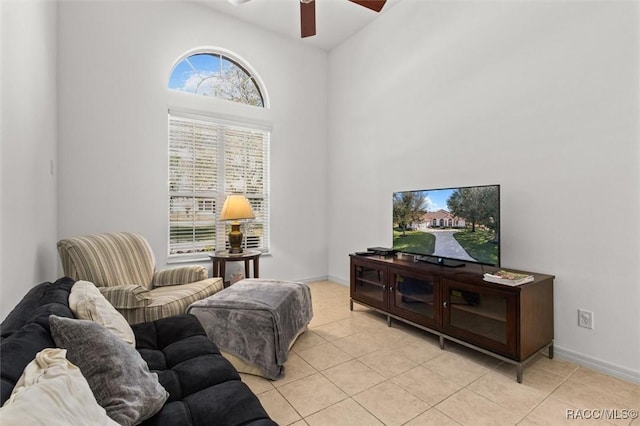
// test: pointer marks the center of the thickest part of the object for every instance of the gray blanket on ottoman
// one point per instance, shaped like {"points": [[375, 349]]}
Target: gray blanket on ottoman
{"points": [[256, 320]]}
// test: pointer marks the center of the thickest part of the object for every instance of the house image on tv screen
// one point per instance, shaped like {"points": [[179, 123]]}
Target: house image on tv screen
{"points": [[440, 219]]}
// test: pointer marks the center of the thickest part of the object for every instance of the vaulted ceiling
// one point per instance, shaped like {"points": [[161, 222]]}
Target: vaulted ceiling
{"points": [[336, 20]]}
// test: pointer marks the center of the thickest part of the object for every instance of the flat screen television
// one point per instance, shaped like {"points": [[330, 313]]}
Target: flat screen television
{"points": [[449, 226]]}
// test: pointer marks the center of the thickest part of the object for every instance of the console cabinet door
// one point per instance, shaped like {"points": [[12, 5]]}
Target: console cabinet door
{"points": [[480, 315], [369, 283], [415, 296]]}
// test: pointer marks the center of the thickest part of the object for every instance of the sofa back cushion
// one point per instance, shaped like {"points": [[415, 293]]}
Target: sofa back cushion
{"points": [[25, 331], [109, 259], [23, 311]]}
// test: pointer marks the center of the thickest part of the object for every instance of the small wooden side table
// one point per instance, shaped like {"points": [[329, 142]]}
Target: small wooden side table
{"points": [[220, 258]]}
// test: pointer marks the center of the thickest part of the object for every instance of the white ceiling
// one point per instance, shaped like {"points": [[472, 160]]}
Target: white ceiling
{"points": [[336, 20]]}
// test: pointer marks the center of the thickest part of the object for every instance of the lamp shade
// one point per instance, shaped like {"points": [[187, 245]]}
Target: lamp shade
{"points": [[235, 207]]}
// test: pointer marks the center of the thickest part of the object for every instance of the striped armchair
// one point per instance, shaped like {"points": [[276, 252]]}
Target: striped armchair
{"points": [[122, 266]]}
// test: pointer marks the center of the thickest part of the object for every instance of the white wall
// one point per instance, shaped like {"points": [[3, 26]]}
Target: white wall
{"points": [[540, 97], [114, 63], [29, 140]]}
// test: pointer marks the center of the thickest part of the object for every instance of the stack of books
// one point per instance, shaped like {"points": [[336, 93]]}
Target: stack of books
{"points": [[508, 278]]}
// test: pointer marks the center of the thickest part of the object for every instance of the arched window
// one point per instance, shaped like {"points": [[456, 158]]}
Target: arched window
{"points": [[216, 75], [212, 155]]}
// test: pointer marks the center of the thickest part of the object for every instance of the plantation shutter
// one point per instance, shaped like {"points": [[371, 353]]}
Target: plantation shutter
{"points": [[208, 160]]}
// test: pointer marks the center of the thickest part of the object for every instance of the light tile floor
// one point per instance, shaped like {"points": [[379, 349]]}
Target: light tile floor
{"points": [[350, 369]]}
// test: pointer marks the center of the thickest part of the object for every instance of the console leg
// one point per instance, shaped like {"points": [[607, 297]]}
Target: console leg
{"points": [[550, 351], [441, 342], [519, 372], [351, 305], [388, 321]]}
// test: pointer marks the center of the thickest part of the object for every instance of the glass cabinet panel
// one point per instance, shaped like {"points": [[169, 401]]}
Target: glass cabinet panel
{"points": [[479, 313], [415, 295], [369, 284]]}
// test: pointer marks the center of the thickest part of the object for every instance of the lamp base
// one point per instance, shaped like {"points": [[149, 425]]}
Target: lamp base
{"points": [[235, 239]]}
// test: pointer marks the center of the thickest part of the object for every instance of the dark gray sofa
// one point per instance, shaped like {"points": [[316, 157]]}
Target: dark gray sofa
{"points": [[204, 388]]}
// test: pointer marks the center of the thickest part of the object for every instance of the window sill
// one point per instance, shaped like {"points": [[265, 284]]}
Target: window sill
{"points": [[199, 258], [179, 260]]}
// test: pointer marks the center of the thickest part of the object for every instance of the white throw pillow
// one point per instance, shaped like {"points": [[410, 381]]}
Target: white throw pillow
{"points": [[52, 390], [87, 303]]}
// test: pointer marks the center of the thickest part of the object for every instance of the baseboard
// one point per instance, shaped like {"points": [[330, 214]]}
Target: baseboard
{"points": [[312, 279], [324, 278], [338, 281], [597, 364]]}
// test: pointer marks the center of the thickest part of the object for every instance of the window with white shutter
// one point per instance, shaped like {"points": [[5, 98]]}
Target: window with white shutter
{"points": [[210, 158], [212, 155]]}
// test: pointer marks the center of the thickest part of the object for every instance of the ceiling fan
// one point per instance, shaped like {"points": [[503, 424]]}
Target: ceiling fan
{"points": [[308, 12]]}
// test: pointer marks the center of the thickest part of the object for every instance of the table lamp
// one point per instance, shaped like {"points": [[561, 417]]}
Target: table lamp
{"points": [[236, 207]]}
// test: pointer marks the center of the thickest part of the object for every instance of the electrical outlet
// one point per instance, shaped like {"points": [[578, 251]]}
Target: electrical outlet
{"points": [[585, 319]]}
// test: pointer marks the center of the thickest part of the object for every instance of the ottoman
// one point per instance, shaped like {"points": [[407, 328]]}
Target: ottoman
{"points": [[255, 322]]}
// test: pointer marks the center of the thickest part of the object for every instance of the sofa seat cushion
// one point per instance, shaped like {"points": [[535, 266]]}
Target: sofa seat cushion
{"points": [[203, 386], [168, 301], [228, 403]]}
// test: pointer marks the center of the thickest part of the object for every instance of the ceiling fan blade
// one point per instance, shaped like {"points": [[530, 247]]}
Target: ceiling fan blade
{"points": [[375, 5], [237, 2], [308, 18]]}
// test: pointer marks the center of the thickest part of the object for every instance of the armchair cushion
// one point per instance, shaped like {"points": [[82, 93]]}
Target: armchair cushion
{"points": [[127, 296], [161, 302], [181, 275], [168, 301]]}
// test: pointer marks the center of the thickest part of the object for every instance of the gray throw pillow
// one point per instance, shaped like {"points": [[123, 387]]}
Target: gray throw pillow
{"points": [[117, 375]]}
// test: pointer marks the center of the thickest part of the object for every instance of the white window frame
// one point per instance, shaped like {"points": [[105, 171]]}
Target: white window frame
{"points": [[223, 187], [217, 76]]}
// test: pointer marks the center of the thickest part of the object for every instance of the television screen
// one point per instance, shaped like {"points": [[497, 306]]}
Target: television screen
{"points": [[453, 224]]}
